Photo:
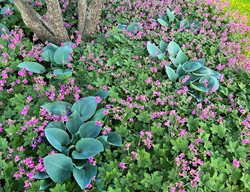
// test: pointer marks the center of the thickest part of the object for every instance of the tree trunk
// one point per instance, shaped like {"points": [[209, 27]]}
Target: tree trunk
{"points": [[34, 22], [81, 8], [53, 30], [93, 14], [54, 13]]}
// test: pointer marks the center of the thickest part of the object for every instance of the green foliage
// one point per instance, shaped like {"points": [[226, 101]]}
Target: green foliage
{"points": [[78, 141], [131, 28], [32, 67], [169, 18], [193, 70], [58, 58]]}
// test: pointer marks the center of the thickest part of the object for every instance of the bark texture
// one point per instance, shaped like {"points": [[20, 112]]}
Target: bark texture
{"points": [[92, 16], [52, 29], [54, 13], [81, 8]]}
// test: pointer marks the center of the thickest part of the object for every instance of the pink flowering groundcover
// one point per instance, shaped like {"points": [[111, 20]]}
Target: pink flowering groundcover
{"points": [[158, 100]]}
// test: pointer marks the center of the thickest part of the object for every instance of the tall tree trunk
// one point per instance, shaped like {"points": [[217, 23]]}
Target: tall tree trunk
{"points": [[34, 22], [93, 14], [54, 13], [81, 8], [53, 29]]}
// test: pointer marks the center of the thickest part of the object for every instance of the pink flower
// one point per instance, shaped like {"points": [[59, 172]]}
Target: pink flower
{"points": [[29, 98], [134, 154], [245, 141], [25, 110], [122, 165], [89, 186], [98, 99], [236, 163]]}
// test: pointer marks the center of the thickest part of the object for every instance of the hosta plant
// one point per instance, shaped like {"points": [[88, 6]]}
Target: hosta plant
{"points": [[76, 141], [193, 73], [57, 56], [4, 30], [133, 27], [170, 18], [6, 6]]}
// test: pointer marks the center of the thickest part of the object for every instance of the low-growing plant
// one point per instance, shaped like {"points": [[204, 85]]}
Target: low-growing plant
{"points": [[170, 18], [133, 27], [78, 140], [58, 58], [190, 72], [6, 6], [3, 29]]}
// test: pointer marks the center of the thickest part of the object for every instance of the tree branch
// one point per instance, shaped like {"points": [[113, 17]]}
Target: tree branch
{"points": [[92, 17], [82, 8], [54, 13], [32, 19]]}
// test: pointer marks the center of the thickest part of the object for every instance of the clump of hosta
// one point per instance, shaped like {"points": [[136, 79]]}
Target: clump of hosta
{"points": [[76, 141], [4, 30], [133, 27], [58, 57], [169, 18], [190, 72]]}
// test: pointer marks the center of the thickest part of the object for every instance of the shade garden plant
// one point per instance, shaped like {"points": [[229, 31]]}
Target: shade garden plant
{"points": [[156, 100]]}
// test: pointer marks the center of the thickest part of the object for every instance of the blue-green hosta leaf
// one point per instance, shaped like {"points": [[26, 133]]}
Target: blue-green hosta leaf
{"points": [[180, 58], [171, 73], [216, 74], [102, 94], [57, 108], [86, 148], [56, 124], [79, 164], [114, 139], [192, 78], [89, 129], [68, 44], [184, 24], [162, 22], [62, 54], [180, 71], [111, 139], [85, 175], [161, 56], [51, 47], [203, 71], [163, 46], [153, 49], [197, 96], [213, 83], [40, 175], [4, 30], [86, 107], [198, 87], [191, 66], [121, 26], [74, 122], [99, 115], [173, 48], [170, 15], [68, 151], [58, 138], [133, 27], [46, 183], [201, 61], [58, 167], [5, 9], [103, 140], [32, 66], [48, 55], [62, 73]]}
